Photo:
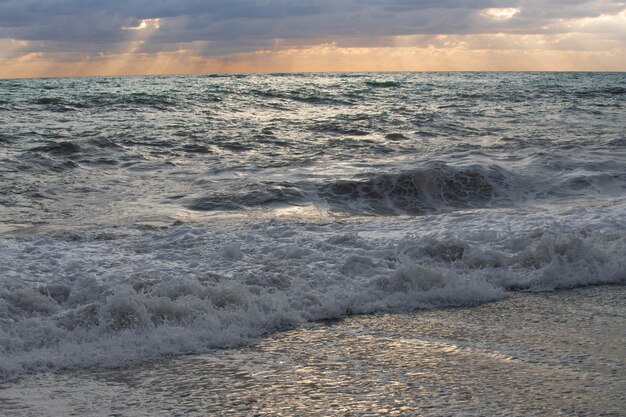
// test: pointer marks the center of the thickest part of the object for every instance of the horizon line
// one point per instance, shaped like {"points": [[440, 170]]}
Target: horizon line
{"points": [[252, 73]]}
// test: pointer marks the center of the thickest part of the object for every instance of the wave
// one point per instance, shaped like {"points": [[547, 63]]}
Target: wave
{"points": [[63, 148], [258, 195], [608, 91], [156, 101], [49, 100], [312, 97], [338, 128], [430, 188], [383, 84], [395, 136], [434, 187], [115, 297], [107, 101], [57, 156]]}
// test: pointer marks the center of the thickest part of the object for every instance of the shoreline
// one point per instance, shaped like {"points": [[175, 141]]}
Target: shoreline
{"points": [[555, 353]]}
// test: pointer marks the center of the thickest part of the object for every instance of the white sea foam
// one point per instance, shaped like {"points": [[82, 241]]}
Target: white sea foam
{"points": [[117, 296]]}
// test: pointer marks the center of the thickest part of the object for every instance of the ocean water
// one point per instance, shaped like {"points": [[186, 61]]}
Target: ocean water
{"points": [[497, 359], [144, 217]]}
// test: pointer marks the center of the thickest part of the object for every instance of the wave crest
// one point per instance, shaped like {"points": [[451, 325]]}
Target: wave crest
{"points": [[438, 186], [66, 302]]}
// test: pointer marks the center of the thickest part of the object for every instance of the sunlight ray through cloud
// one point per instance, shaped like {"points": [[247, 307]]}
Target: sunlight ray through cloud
{"points": [[238, 33], [501, 14], [145, 24]]}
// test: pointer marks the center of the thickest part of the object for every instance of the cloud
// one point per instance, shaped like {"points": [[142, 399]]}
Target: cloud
{"points": [[67, 30]]}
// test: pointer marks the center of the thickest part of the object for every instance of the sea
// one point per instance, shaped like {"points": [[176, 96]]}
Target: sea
{"points": [[359, 243]]}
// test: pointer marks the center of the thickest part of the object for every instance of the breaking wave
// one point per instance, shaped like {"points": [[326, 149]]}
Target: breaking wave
{"points": [[438, 186], [118, 296], [433, 187]]}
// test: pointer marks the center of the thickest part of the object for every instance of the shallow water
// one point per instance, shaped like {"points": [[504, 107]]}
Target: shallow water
{"points": [[555, 354]]}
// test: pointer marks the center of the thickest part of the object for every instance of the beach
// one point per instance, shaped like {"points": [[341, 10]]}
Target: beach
{"points": [[552, 354]]}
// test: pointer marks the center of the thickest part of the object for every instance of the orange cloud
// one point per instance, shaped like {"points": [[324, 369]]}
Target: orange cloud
{"points": [[329, 57], [584, 47]]}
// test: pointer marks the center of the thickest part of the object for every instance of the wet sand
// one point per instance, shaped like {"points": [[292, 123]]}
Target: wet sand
{"points": [[552, 354]]}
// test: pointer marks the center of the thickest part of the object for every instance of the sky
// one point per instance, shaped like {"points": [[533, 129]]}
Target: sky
{"points": [[123, 37]]}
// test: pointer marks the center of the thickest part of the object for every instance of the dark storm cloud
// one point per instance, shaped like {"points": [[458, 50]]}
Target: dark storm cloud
{"points": [[241, 25]]}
